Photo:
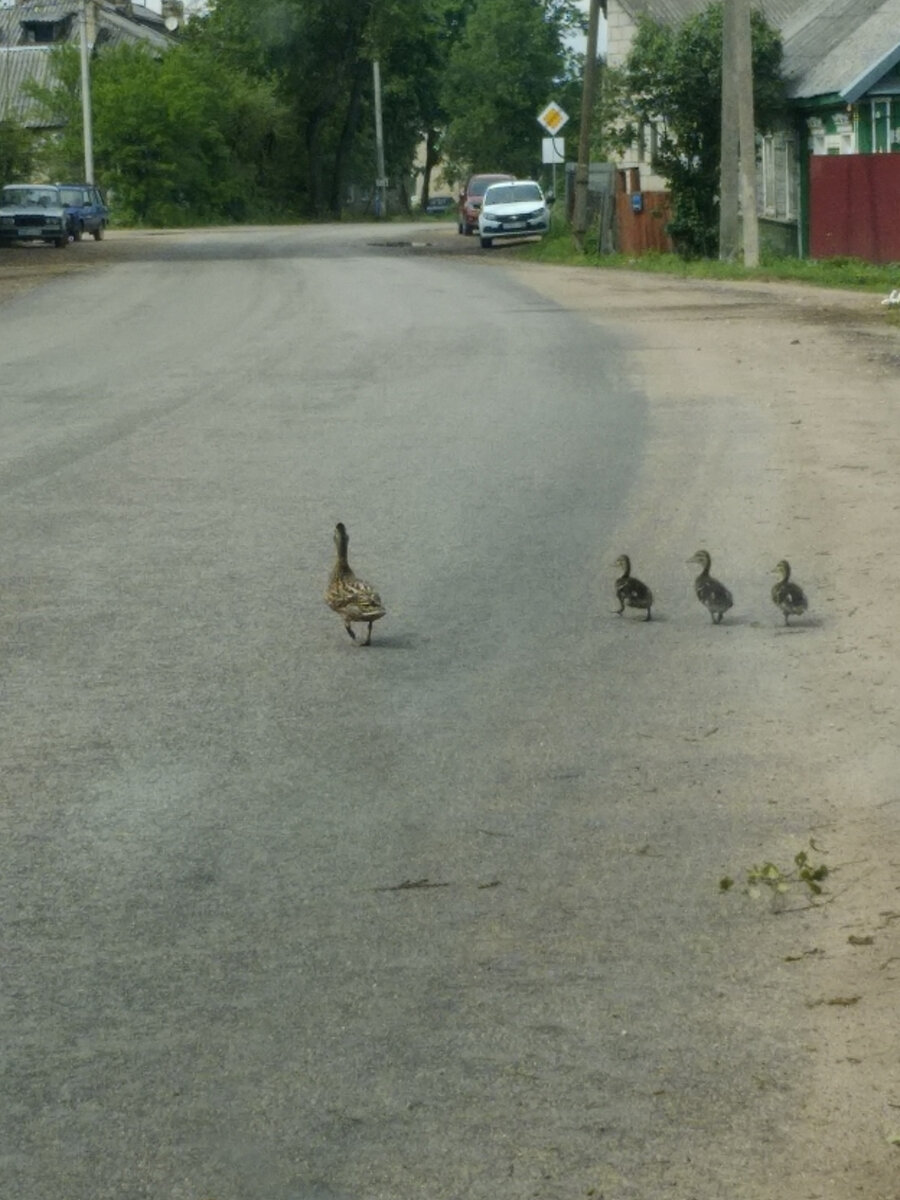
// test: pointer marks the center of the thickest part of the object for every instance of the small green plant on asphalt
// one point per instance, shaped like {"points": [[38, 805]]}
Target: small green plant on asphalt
{"points": [[768, 876]]}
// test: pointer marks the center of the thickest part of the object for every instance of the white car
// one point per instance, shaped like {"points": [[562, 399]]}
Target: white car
{"points": [[514, 209]]}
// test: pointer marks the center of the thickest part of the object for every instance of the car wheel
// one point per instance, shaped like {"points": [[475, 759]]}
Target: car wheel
{"points": [[486, 243], [98, 234]]}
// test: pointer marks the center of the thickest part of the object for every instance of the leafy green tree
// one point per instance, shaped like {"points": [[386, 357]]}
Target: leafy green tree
{"points": [[178, 137], [314, 54], [510, 60], [16, 150], [673, 81]]}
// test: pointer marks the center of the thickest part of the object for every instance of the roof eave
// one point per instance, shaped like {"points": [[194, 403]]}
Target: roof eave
{"points": [[870, 76]]}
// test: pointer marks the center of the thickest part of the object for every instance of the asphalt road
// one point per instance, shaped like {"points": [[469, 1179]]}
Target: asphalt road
{"points": [[287, 919]]}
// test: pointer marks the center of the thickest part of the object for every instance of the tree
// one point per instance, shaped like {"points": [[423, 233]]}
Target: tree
{"points": [[505, 67], [16, 150], [673, 81], [178, 137]]}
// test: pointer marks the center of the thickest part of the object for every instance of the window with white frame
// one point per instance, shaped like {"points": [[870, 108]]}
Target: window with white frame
{"points": [[778, 177]]}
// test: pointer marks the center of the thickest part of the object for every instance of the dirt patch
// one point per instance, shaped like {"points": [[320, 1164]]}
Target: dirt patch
{"points": [[23, 268], [799, 393]]}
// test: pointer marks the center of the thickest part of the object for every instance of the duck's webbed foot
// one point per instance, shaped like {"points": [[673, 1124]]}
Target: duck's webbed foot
{"points": [[368, 641], [349, 630]]}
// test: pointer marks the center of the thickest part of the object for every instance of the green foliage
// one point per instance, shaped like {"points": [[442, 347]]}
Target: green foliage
{"points": [[16, 151], [317, 56], [850, 273], [777, 883], [178, 138], [508, 63], [672, 81], [266, 107]]}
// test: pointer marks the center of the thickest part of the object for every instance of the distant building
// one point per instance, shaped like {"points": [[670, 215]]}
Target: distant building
{"points": [[842, 69], [29, 29]]}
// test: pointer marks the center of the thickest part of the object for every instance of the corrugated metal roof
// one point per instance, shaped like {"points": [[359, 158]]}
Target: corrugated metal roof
{"points": [[22, 61], [840, 46], [671, 12], [137, 23], [20, 65], [830, 46], [44, 11]]}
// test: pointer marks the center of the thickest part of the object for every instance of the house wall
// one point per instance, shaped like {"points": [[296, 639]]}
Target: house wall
{"points": [[621, 29], [853, 205]]}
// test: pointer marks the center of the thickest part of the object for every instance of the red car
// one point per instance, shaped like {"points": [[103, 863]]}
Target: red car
{"points": [[470, 199]]}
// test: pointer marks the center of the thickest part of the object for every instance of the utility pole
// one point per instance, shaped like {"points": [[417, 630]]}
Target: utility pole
{"points": [[737, 172], [729, 143], [380, 182], [86, 96], [747, 134], [588, 90]]}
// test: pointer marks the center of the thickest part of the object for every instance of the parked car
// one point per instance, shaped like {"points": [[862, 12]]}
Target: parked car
{"points": [[32, 212], [470, 198], [438, 206], [516, 209], [86, 210]]}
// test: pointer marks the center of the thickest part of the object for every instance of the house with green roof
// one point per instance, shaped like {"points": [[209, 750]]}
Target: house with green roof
{"points": [[829, 182]]}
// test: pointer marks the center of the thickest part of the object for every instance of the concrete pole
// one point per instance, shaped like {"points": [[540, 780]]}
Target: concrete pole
{"points": [[728, 163], [589, 87], [380, 182], [746, 133], [86, 96]]}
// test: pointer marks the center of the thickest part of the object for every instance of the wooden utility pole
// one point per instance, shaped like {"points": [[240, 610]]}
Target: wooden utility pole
{"points": [[588, 91], [737, 173], [729, 144], [86, 94], [381, 181], [747, 134]]}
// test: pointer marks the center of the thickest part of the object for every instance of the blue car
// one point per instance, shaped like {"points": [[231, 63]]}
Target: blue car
{"points": [[86, 210]]}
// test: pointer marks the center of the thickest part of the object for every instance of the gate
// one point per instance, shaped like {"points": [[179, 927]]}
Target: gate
{"points": [[853, 204]]}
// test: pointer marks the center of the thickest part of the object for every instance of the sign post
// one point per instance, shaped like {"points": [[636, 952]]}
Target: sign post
{"points": [[552, 118]]}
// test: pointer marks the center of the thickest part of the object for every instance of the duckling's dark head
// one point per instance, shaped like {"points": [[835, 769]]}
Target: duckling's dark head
{"points": [[702, 559], [341, 537], [783, 569], [623, 564]]}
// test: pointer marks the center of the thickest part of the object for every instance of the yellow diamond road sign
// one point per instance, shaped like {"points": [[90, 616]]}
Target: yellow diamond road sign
{"points": [[552, 117]]}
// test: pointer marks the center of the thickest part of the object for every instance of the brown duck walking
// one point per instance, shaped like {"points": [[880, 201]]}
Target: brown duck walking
{"points": [[788, 595], [630, 591], [351, 598], [713, 595]]}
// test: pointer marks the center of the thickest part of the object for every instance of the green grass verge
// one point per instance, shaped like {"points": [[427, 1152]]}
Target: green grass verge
{"points": [[852, 273]]}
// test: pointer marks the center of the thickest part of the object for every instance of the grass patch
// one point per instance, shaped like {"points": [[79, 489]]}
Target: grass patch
{"points": [[851, 273]]}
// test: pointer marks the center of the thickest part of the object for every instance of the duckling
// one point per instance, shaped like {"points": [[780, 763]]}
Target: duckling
{"points": [[351, 598], [786, 594], [713, 595], [631, 591]]}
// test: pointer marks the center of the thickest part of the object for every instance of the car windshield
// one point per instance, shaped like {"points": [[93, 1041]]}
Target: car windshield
{"points": [[23, 196], [73, 196], [512, 193], [478, 187]]}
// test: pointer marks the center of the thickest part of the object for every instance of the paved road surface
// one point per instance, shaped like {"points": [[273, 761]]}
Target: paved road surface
{"points": [[220, 982]]}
